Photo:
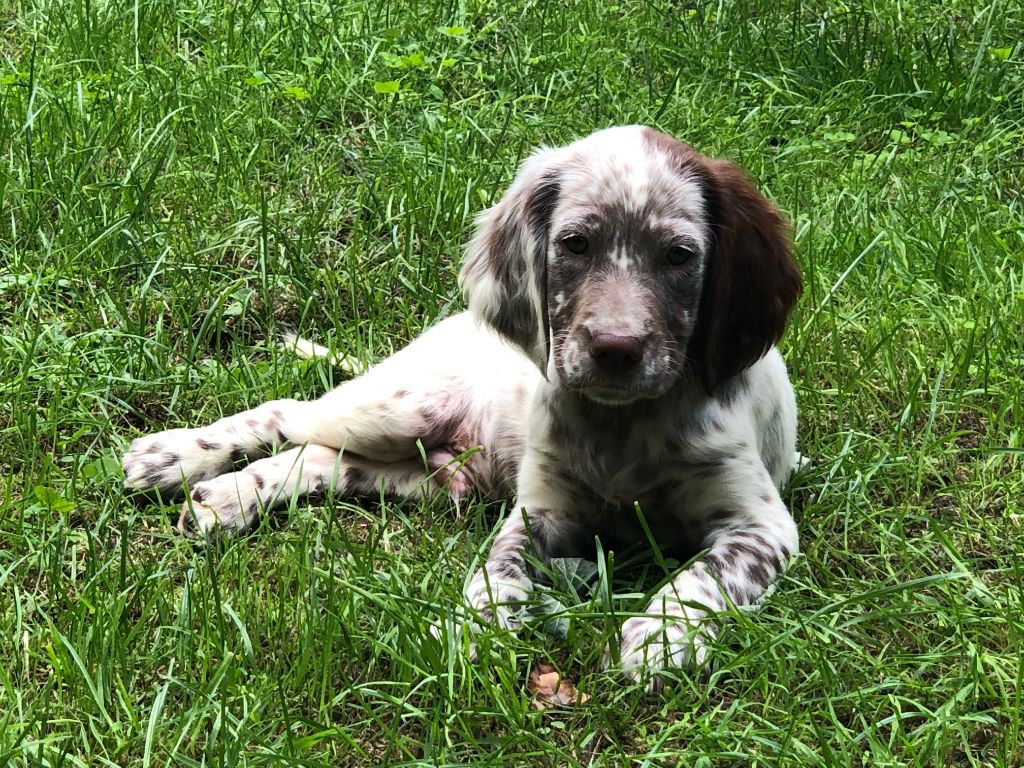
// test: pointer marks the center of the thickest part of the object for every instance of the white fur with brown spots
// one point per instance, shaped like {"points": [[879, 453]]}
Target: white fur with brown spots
{"points": [[625, 298]]}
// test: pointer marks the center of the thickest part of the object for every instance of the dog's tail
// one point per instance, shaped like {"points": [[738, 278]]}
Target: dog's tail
{"points": [[304, 349]]}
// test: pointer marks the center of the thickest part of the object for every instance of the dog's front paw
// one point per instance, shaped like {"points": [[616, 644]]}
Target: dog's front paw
{"points": [[498, 600], [225, 505], [489, 602], [652, 644], [165, 460]]}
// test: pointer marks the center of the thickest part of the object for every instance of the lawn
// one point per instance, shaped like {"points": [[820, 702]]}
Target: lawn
{"points": [[181, 182]]}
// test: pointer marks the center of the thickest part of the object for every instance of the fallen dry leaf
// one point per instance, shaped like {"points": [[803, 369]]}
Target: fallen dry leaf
{"points": [[551, 690]]}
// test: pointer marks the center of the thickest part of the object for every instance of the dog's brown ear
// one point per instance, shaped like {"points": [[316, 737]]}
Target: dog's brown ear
{"points": [[751, 283], [504, 275]]}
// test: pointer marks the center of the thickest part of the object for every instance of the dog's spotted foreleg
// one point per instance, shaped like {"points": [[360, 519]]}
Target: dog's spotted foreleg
{"points": [[539, 523], [747, 550], [499, 590]]}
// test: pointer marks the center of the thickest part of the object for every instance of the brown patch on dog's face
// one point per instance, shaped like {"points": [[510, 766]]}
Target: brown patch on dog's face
{"points": [[752, 282]]}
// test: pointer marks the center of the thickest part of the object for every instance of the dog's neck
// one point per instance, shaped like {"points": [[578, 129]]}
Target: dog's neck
{"points": [[642, 413]]}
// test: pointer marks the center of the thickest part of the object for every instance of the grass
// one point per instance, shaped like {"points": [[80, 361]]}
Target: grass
{"points": [[183, 181]]}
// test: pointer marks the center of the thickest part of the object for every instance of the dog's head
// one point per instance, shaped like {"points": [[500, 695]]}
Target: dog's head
{"points": [[627, 260]]}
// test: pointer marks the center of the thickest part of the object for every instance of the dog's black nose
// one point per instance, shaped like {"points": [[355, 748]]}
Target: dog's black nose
{"points": [[616, 354]]}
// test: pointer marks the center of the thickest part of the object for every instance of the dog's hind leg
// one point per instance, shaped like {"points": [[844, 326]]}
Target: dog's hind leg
{"points": [[412, 396], [232, 502]]}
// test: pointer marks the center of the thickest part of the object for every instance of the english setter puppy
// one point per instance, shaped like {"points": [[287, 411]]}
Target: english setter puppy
{"points": [[616, 370]]}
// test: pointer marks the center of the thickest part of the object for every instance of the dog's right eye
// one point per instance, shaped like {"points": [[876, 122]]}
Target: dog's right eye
{"points": [[575, 244]]}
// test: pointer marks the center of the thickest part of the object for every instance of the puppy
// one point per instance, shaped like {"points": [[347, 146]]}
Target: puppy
{"points": [[616, 372]]}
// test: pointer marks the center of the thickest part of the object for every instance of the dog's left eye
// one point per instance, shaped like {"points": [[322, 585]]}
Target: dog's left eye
{"points": [[575, 243], [679, 255]]}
